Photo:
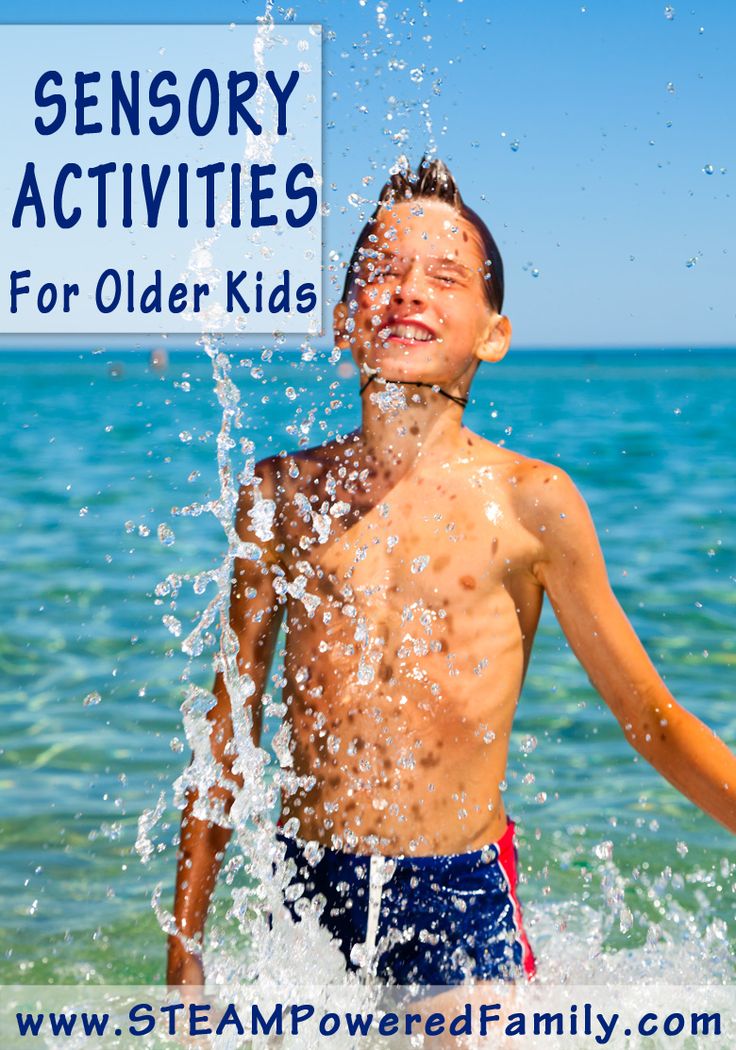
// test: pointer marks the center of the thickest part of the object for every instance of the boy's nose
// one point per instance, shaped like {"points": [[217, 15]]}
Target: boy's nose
{"points": [[413, 286]]}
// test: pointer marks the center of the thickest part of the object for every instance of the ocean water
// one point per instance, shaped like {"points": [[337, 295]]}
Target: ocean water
{"points": [[620, 873]]}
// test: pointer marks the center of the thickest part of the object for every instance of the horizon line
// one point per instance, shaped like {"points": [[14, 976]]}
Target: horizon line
{"points": [[530, 348]]}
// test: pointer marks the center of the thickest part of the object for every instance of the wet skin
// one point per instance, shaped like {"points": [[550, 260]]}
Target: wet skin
{"points": [[401, 685]]}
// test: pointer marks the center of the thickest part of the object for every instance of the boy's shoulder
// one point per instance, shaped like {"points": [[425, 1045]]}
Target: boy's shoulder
{"points": [[521, 467], [537, 486], [287, 472]]}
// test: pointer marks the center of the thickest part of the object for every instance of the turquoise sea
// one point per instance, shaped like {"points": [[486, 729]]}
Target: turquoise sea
{"points": [[97, 450]]}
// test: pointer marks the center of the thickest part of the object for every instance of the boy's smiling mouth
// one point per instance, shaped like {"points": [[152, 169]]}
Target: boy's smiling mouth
{"points": [[407, 330]]}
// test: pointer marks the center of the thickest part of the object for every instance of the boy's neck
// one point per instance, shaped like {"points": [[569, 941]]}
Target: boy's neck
{"points": [[402, 423]]}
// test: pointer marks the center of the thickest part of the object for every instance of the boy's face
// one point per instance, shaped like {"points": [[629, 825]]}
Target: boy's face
{"points": [[419, 305]]}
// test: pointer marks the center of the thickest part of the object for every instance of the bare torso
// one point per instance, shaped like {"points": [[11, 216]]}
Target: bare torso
{"points": [[403, 679]]}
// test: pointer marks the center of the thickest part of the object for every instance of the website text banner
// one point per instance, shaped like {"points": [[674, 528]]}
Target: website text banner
{"points": [[160, 179], [360, 1015]]}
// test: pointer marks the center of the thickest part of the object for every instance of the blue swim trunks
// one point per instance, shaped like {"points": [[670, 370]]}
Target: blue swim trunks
{"points": [[432, 920]]}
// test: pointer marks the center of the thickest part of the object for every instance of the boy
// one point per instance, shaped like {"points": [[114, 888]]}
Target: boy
{"points": [[412, 557]]}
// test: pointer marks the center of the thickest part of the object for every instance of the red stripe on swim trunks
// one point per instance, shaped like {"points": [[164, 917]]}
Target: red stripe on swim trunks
{"points": [[507, 861]]}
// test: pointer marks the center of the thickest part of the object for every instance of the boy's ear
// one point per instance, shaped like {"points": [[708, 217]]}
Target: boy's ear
{"points": [[339, 320], [497, 339]]}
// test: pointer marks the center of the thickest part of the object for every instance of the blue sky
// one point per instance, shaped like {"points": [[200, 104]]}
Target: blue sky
{"points": [[580, 131]]}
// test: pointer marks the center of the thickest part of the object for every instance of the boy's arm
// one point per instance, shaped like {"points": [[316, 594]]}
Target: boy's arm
{"points": [[255, 615], [572, 571]]}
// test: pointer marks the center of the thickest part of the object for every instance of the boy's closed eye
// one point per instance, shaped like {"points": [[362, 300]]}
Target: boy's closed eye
{"points": [[444, 271]]}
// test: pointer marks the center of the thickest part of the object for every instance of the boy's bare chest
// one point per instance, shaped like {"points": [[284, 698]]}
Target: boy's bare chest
{"points": [[447, 538]]}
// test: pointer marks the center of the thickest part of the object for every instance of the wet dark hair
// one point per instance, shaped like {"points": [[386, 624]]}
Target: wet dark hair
{"points": [[431, 181]]}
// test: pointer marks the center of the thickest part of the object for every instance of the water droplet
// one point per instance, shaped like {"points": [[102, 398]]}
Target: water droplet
{"points": [[166, 535], [172, 624], [91, 699], [262, 514], [420, 564], [416, 76], [514, 146], [603, 850], [493, 512], [528, 744], [708, 169], [670, 87], [669, 12], [365, 673], [199, 585]]}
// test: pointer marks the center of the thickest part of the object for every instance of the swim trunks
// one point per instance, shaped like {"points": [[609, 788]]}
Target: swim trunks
{"points": [[432, 920]]}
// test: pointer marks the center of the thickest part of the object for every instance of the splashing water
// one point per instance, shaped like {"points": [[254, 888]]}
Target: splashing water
{"points": [[578, 942], [254, 848]]}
